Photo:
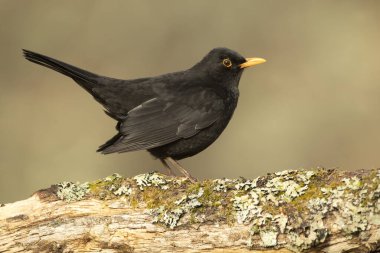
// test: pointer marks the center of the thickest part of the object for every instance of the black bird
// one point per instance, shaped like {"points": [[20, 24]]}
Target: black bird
{"points": [[173, 116]]}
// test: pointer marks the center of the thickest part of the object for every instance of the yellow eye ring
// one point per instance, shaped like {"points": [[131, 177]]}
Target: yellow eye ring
{"points": [[227, 63]]}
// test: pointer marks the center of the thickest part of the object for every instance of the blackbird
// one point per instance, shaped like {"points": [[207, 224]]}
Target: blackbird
{"points": [[173, 116]]}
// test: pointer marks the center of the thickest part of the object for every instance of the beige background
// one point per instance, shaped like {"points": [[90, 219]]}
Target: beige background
{"points": [[314, 103]]}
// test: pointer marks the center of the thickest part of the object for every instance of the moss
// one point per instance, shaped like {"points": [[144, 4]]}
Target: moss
{"points": [[313, 191], [134, 202], [105, 188], [170, 215], [215, 202], [210, 197], [198, 201], [272, 204], [191, 188], [154, 197]]}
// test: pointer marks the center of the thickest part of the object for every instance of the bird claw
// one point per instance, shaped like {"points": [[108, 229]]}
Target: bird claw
{"points": [[170, 161]]}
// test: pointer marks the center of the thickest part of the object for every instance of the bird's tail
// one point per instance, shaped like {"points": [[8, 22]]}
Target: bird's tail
{"points": [[84, 78]]}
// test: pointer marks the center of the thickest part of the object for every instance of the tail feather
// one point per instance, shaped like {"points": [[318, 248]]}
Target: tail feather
{"points": [[105, 94], [85, 78]]}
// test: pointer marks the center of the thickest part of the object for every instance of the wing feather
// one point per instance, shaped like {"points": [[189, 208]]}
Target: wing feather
{"points": [[159, 121]]}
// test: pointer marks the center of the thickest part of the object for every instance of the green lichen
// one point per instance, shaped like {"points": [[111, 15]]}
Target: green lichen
{"points": [[246, 207], [313, 191], [293, 203], [105, 188], [269, 238], [194, 203], [151, 179], [185, 204], [70, 191], [222, 185], [308, 236], [123, 190], [347, 196]]}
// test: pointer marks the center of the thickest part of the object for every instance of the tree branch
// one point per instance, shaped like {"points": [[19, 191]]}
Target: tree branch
{"points": [[290, 211]]}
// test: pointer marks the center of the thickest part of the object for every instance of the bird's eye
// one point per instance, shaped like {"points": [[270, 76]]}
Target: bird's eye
{"points": [[227, 63]]}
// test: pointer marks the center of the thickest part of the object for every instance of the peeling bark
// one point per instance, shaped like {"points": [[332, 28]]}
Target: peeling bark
{"points": [[291, 211]]}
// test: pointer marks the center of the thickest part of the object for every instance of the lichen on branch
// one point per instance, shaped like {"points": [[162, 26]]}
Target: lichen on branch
{"points": [[295, 209], [295, 203]]}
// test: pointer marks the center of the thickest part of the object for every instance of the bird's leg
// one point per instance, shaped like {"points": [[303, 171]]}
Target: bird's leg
{"points": [[170, 171], [178, 166]]}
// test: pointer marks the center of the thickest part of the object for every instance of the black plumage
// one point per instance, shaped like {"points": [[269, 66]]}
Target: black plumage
{"points": [[174, 115]]}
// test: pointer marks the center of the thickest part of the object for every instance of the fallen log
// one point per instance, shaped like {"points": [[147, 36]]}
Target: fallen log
{"points": [[290, 211]]}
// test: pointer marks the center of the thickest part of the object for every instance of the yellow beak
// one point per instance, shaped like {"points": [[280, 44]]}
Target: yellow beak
{"points": [[251, 61]]}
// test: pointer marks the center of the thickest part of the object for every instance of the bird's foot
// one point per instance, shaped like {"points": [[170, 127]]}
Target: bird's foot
{"points": [[167, 167], [170, 161]]}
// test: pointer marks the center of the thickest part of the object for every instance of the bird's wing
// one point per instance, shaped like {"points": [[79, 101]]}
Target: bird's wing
{"points": [[160, 121]]}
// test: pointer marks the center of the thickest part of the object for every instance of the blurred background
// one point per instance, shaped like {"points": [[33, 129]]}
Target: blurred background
{"points": [[316, 102]]}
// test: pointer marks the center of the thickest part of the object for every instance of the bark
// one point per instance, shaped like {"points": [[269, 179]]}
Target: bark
{"points": [[290, 211]]}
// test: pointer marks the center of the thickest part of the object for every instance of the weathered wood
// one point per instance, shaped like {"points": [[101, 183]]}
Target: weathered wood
{"points": [[291, 211]]}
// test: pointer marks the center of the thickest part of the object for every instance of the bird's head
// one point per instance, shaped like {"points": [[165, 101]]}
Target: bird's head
{"points": [[225, 64]]}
